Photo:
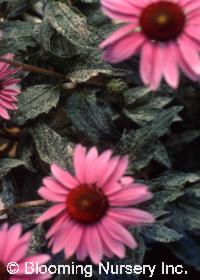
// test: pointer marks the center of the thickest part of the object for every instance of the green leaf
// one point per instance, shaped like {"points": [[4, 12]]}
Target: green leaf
{"points": [[174, 180], [51, 147], [36, 100], [69, 22], [186, 211], [6, 165], [142, 143], [52, 42], [161, 156], [90, 118], [17, 36], [161, 233], [160, 200]]}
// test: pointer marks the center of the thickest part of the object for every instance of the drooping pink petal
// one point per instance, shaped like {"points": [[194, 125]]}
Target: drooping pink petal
{"points": [[4, 113], [116, 247], [118, 232], [118, 35], [170, 67], [73, 240], [124, 48], [51, 213], [62, 236], [131, 216], [50, 196], [146, 62], [193, 60], [54, 186], [57, 224], [82, 251], [94, 244], [130, 195]]}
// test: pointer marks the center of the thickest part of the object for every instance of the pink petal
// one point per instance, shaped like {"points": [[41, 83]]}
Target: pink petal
{"points": [[170, 67], [73, 240], [13, 234], [192, 6], [63, 176], [82, 251], [130, 195], [20, 249], [185, 67], [109, 170], [54, 186], [193, 60], [4, 113], [126, 180], [117, 174], [102, 164], [50, 196], [51, 213], [79, 162], [7, 105], [60, 241], [157, 67], [124, 48], [146, 62], [118, 34], [94, 244], [3, 65], [130, 216], [10, 82], [8, 98], [120, 10], [90, 162], [118, 232], [57, 224], [116, 247]]}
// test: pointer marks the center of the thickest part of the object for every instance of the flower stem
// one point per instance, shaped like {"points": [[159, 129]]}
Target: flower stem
{"points": [[34, 69], [33, 203]]}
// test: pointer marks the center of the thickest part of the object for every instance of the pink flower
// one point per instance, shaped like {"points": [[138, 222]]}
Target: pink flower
{"points": [[8, 88], [91, 209], [13, 247], [165, 32]]}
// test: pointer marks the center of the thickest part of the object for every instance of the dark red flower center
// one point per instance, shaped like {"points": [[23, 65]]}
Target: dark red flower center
{"points": [[162, 21], [87, 204], [4, 275]]}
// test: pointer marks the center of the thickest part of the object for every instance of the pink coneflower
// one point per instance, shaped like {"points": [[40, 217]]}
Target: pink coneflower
{"points": [[8, 88], [91, 209], [165, 32], [13, 247]]}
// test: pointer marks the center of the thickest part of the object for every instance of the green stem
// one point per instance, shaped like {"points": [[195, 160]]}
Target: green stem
{"points": [[34, 69]]}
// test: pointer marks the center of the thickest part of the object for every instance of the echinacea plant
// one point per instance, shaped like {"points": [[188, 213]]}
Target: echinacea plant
{"points": [[93, 208], [13, 248], [165, 33]]}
